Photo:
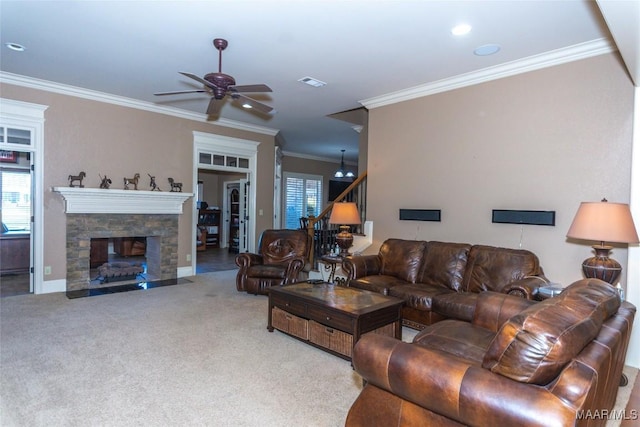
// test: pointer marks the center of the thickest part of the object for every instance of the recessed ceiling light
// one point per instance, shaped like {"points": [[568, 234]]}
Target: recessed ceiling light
{"points": [[15, 46], [312, 82], [247, 105], [487, 49], [461, 29]]}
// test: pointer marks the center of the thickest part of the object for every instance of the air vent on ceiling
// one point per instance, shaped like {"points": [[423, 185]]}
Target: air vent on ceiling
{"points": [[312, 82]]}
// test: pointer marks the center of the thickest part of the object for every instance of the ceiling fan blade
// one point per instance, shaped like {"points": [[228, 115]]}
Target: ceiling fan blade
{"points": [[264, 108], [199, 79], [250, 88], [179, 92], [215, 105]]}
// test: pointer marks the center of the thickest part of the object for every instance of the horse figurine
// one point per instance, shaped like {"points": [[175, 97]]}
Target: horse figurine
{"points": [[79, 178], [175, 186], [104, 182], [152, 184], [133, 181]]}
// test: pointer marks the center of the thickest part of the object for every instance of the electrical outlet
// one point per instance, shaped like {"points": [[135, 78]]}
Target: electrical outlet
{"points": [[188, 257], [47, 270]]}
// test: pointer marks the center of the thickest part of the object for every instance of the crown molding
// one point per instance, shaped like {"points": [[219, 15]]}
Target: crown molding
{"points": [[531, 63], [33, 83]]}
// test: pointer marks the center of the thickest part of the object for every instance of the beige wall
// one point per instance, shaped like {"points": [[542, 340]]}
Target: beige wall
{"points": [[544, 140], [102, 138]]}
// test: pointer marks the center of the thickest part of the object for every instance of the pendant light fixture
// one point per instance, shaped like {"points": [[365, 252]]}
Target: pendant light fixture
{"points": [[340, 173]]}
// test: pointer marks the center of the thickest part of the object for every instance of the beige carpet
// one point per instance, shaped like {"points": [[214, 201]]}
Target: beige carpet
{"points": [[196, 354]]}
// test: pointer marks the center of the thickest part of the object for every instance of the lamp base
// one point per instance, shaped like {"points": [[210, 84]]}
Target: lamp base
{"points": [[344, 240], [601, 266]]}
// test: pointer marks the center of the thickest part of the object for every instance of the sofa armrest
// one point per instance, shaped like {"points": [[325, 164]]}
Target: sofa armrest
{"points": [[294, 267], [246, 260], [361, 266], [453, 388], [526, 288]]}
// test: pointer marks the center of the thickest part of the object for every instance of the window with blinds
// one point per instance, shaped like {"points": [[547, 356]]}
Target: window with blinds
{"points": [[16, 200], [302, 196]]}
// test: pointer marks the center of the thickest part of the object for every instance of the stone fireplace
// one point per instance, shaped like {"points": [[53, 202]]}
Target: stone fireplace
{"points": [[97, 213]]}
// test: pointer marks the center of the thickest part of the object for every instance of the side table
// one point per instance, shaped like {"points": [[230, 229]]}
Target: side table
{"points": [[330, 263]]}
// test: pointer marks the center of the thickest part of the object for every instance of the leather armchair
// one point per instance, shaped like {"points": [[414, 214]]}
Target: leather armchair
{"points": [[282, 255]]}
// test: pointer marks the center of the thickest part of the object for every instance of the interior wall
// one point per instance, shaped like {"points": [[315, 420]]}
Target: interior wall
{"points": [[107, 139], [543, 140]]}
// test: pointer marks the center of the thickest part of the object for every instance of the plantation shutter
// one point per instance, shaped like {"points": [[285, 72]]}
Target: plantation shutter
{"points": [[303, 197]]}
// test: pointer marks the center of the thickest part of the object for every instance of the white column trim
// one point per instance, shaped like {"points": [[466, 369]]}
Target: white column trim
{"points": [[633, 262]]}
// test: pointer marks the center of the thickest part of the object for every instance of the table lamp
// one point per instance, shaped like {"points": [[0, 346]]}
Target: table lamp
{"points": [[344, 214], [604, 222]]}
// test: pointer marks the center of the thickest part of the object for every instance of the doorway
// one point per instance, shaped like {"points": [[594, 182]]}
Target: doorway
{"points": [[219, 154], [219, 219], [16, 213]]}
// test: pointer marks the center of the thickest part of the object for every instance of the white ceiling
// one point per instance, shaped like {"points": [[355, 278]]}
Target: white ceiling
{"points": [[368, 52]]}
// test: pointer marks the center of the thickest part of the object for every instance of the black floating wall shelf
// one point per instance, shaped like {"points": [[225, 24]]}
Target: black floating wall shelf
{"points": [[420, 215], [505, 216]]}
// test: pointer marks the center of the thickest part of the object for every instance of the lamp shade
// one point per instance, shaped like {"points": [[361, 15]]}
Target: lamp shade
{"points": [[604, 222], [344, 213]]}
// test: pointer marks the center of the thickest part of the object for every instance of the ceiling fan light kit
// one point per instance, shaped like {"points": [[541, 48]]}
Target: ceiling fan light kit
{"points": [[220, 85]]}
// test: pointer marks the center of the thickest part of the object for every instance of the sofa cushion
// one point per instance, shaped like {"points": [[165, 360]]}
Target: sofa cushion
{"points": [[458, 338], [418, 295], [490, 268], [401, 258], [378, 283], [456, 305], [444, 264], [536, 344], [280, 246]]}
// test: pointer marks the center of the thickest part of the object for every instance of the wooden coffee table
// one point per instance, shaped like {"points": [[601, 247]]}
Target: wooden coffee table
{"points": [[332, 317]]}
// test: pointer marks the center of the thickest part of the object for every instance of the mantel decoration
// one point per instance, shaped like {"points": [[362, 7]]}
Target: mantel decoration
{"points": [[605, 222], [344, 214], [78, 178], [175, 186], [98, 200], [104, 181], [133, 181], [152, 183]]}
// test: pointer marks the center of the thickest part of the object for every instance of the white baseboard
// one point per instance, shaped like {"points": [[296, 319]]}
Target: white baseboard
{"points": [[50, 286], [185, 271]]}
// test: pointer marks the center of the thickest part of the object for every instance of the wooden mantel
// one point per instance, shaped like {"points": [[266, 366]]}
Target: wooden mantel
{"points": [[101, 201]]}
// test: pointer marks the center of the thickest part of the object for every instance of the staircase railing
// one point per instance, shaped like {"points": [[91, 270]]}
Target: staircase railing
{"points": [[322, 233]]}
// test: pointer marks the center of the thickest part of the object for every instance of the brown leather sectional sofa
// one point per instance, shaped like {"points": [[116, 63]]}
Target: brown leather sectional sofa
{"points": [[516, 363], [441, 280]]}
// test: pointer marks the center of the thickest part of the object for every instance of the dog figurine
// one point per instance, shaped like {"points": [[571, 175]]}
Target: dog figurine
{"points": [[133, 181], [175, 186], [79, 178], [104, 182], [152, 184]]}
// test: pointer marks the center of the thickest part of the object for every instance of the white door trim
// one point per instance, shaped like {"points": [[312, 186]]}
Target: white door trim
{"points": [[227, 146], [31, 116]]}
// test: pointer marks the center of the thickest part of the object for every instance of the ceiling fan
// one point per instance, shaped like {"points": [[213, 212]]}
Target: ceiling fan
{"points": [[219, 85]]}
